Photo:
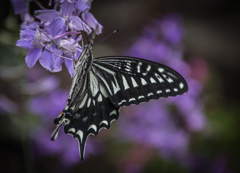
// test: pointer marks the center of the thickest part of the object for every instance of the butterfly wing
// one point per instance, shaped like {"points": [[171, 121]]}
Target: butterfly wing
{"points": [[90, 113], [131, 80], [100, 87]]}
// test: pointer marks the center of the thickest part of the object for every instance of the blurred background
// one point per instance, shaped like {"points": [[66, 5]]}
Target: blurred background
{"points": [[197, 132]]}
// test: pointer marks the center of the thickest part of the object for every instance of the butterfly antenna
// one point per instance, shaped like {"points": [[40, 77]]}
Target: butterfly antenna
{"points": [[108, 36]]}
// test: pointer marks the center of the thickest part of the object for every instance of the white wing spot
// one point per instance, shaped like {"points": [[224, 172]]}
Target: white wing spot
{"points": [[80, 134], [181, 85], [104, 122], [143, 81], [73, 107], [112, 121], [127, 69], [99, 98], [148, 69], [159, 78], [84, 119], [84, 101], [159, 91], [150, 94], [94, 127], [115, 88], [168, 90], [125, 84], [113, 113], [161, 70], [103, 91], [132, 99], [106, 84], [134, 82], [152, 80], [168, 78], [89, 102], [72, 130], [141, 97], [139, 67], [175, 89], [93, 84], [170, 74], [122, 102]]}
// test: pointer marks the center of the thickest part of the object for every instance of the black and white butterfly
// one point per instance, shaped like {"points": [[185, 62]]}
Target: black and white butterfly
{"points": [[101, 86]]}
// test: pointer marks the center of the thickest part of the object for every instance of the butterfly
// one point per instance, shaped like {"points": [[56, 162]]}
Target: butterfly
{"points": [[101, 86]]}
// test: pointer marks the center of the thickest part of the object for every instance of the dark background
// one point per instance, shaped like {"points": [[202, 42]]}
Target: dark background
{"points": [[212, 33]]}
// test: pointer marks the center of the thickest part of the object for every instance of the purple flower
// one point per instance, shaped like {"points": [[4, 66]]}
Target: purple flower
{"points": [[40, 47], [55, 39]]}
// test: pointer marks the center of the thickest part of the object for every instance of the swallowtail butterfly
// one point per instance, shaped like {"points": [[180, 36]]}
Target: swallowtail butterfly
{"points": [[101, 86]]}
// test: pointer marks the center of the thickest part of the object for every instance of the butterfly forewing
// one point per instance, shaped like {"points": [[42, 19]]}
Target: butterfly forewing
{"points": [[131, 80]]}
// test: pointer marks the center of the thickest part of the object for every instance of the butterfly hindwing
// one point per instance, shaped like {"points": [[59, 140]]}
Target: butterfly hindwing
{"points": [[87, 116], [131, 80]]}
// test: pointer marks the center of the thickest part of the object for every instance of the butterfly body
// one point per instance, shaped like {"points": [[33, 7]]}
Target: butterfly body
{"points": [[101, 86]]}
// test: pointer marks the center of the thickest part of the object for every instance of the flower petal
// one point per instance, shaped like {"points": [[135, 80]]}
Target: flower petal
{"points": [[76, 24], [31, 26], [69, 47], [46, 15], [67, 8], [40, 39], [91, 21], [32, 57], [50, 61], [24, 44], [69, 65], [27, 34], [19, 6], [26, 18], [55, 26], [81, 6], [88, 2]]}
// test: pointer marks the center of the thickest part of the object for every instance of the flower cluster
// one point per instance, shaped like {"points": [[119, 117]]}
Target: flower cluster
{"points": [[54, 39], [164, 125]]}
